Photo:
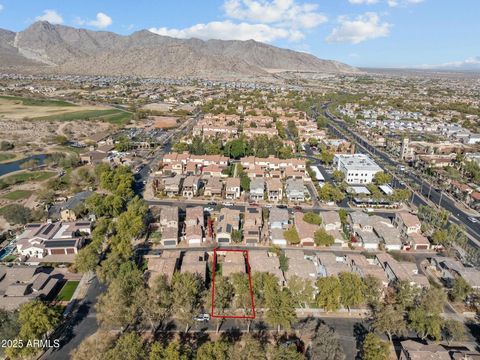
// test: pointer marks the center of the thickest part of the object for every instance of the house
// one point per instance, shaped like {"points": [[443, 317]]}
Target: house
{"points": [[214, 187], [299, 266], [21, 284], [257, 189], [169, 225], [412, 350], [252, 225], [331, 220], [417, 241], [58, 238], [451, 269], [295, 190], [331, 264], [68, 210], [194, 225], [232, 188], [262, 261], [191, 184], [306, 231], [164, 265], [228, 222], [357, 168], [401, 271], [274, 189], [195, 262], [362, 229], [278, 218], [360, 266], [172, 185], [388, 235], [407, 223], [233, 262]]}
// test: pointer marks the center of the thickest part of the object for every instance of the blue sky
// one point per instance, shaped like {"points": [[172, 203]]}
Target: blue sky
{"points": [[374, 33]]}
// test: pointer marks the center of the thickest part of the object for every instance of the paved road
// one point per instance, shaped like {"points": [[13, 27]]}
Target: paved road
{"points": [[82, 325], [437, 197]]}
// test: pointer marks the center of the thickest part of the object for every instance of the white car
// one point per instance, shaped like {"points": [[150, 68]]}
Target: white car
{"points": [[208, 209], [228, 204], [472, 219], [202, 318]]}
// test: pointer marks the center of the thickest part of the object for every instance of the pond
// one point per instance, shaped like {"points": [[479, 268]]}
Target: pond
{"points": [[12, 166]]}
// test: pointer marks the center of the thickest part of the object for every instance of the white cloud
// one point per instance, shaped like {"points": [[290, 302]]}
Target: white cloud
{"points": [[227, 30], [1, 7], [364, 27], [469, 63], [285, 12], [51, 16], [394, 3], [361, 2], [101, 21]]}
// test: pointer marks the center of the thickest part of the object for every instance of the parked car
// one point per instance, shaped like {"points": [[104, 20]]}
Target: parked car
{"points": [[228, 204], [212, 203], [472, 219], [208, 209], [268, 206], [202, 318]]}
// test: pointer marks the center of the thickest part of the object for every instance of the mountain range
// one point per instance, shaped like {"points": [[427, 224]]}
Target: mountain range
{"points": [[57, 49]]}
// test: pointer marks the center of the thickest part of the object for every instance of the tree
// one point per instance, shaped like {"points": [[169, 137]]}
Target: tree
{"points": [[87, 258], [236, 236], [214, 350], [330, 193], [351, 290], [301, 290], [60, 140], [129, 346], [373, 290], [338, 176], [155, 302], [94, 347], [390, 321], [174, 351], [241, 287], [17, 214], [291, 235], [433, 300], [382, 178], [312, 218], [36, 319], [252, 349], [224, 292], [440, 237], [9, 326], [461, 290], [118, 306], [280, 309], [325, 345], [186, 293], [425, 324], [323, 238], [286, 353], [283, 262], [374, 348], [326, 157], [405, 294], [453, 330], [328, 296]]}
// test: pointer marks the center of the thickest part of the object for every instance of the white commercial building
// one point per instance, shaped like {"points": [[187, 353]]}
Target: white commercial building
{"points": [[357, 168]]}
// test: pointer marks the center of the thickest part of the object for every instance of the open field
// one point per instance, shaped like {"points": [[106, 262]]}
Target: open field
{"points": [[164, 122], [6, 157], [25, 176], [17, 195], [16, 108], [67, 291]]}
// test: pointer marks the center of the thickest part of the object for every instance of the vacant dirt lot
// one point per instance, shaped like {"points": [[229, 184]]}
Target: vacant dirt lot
{"points": [[164, 122]]}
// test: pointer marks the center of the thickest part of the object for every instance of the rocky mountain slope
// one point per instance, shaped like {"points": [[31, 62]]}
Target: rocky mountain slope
{"points": [[59, 49]]}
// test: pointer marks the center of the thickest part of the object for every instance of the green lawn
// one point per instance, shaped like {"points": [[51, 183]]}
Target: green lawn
{"points": [[38, 102], [113, 116], [6, 156], [17, 195], [67, 291], [26, 176]]}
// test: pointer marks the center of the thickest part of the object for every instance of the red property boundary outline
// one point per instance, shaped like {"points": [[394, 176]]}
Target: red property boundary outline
{"points": [[249, 282]]}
